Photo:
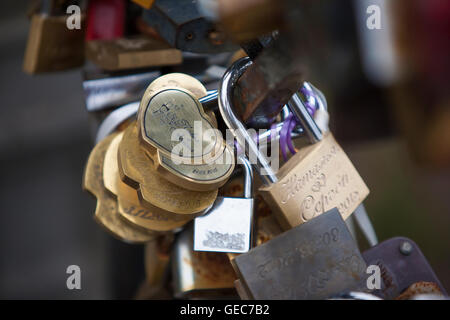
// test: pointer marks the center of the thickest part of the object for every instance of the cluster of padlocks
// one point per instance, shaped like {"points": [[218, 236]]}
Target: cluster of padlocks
{"points": [[224, 210], [292, 242]]}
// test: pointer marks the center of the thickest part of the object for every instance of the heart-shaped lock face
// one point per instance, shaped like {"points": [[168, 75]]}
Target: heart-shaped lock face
{"points": [[172, 120]]}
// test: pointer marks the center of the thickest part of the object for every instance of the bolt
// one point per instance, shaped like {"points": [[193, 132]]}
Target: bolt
{"points": [[406, 248]]}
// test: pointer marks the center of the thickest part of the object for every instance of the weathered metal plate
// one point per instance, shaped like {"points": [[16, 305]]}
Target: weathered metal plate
{"points": [[315, 260], [401, 264]]}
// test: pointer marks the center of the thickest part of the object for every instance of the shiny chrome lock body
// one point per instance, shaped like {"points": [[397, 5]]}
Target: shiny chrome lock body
{"points": [[228, 224]]}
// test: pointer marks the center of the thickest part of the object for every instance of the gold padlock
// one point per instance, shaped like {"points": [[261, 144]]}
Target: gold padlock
{"points": [[316, 179], [194, 176], [131, 53], [106, 212], [168, 105], [129, 205], [52, 46], [199, 274], [136, 169]]}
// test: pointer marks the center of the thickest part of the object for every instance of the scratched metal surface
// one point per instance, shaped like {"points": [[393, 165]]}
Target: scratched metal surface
{"points": [[399, 270], [315, 260]]}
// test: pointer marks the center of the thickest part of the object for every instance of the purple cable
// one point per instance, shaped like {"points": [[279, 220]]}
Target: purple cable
{"points": [[292, 124], [308, 93], [286, 130], [293, 121], [284, 135]]}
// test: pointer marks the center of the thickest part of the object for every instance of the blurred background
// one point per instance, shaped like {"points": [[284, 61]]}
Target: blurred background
{"points": [[389, 103]]}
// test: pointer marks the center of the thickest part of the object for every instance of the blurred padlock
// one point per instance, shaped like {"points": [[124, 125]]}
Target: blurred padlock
{"points": [[53, 43], [317, 178], [131, 53], [105, 19], [200, 274], [183, 27], [146, 4], [401, 263]]}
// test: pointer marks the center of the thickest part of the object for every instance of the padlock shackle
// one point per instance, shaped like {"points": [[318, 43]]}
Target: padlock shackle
{"points": [[248, 175], [298, 108], [236, 126]]}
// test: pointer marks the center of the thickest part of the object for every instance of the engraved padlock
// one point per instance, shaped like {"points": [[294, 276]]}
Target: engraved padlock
{"points": [[227, 227], [317, 178], [315, 260]]}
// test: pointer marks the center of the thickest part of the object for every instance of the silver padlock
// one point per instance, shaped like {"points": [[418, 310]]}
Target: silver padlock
{"points": [[227, 227]]}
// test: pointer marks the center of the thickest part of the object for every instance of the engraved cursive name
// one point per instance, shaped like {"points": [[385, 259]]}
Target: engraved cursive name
{"points": [[296, 183], [299, 253]]}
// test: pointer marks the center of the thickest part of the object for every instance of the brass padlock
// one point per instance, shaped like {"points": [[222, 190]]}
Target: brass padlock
{"points": [[129, 205], [51, 45], [136, 169], [106, 212], [319, 177], [169, 104], [200, 274], [131, 53]]}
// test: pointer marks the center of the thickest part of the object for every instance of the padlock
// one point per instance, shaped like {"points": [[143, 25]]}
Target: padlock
{"points": [[401, 263], [129, 205], [107, 92], [317, 178], [315, 260], [200, 274], [157, 256], [157, 269], [106, 212], [136, 169], [105, 19], [171, 103], [51, 45], [164, 110], [183, 27], [227, 226], [131, 53]]}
